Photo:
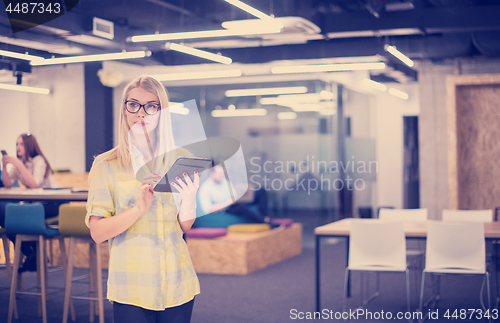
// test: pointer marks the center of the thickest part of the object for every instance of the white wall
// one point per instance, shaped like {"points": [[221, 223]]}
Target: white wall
{"points": [[57, 120], [14, 118], [389, 115]]}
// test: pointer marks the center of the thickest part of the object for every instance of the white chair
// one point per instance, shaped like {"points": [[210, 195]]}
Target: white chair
{"points": [[468, 215], [415, 256], [378, 246], [405, 215], [454, 248]]}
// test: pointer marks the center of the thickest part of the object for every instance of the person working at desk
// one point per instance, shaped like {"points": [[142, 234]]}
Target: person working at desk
{"points": [[33, 170], [214, 196], [151, 277]]}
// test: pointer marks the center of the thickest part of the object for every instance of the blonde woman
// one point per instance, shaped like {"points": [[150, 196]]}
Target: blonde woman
{"points": [[151, 277]]}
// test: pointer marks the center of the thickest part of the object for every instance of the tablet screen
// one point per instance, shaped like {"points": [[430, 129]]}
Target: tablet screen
{"points": [[180, 166]]}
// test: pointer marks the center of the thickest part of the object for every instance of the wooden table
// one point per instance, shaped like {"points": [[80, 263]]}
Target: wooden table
{"points": [[342, 229], [17, 194]]}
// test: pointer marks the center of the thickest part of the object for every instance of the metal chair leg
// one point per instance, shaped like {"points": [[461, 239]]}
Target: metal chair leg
{"points": [[346, 281], [422, 285], [408, 290]]}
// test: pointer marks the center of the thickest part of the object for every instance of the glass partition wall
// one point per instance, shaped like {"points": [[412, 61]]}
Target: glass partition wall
{"points": [[313, 150]]}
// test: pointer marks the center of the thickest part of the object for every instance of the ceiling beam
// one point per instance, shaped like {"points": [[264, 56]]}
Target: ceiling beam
{"points": [[429, 20]]}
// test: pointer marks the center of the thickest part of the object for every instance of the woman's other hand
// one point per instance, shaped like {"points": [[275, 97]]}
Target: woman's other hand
{"points": [[187, 189], [144, 198]]}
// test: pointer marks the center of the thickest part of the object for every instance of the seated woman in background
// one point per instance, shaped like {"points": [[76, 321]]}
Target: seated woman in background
{"points": [[33, 170], [214, 196]]}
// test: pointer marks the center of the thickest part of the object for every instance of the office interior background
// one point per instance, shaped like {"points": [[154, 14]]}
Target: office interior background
{"points": [[399, 122], [442, 37]]}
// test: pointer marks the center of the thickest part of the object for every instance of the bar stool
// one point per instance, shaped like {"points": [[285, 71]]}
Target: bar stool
{"points": [[27, 222], [72, 225]]}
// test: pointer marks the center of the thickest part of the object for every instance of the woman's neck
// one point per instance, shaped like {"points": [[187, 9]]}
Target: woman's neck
{"points": [[146, 145]]}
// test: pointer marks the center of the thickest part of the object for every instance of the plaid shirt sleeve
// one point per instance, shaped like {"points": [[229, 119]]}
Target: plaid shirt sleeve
{"points": [[100, 201]]}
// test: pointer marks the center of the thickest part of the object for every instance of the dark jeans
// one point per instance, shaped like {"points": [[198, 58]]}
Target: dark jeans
{"points": [[244, 210], [124, 313]]}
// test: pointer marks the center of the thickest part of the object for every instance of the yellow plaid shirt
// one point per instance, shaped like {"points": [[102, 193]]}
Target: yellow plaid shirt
{"points": [[149, 264]]}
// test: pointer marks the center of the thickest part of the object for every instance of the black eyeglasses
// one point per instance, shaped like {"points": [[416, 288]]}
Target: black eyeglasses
{"points": [[149, 108]]}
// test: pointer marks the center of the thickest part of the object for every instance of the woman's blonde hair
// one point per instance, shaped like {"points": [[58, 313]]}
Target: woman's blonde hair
{"points": [[163, 131]]}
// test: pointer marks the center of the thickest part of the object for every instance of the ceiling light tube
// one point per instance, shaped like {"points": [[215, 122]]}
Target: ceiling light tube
{"points": [[287, 115], [266, 91], [199, 53], [91, 58], [327, 68], [252, 23], [205, 34], [258, 112], [251, 10], [23, 88], [374, 85], [178, 108], [197, 75], [305, 107], [396, 53], [19, 55], [398, 93]]}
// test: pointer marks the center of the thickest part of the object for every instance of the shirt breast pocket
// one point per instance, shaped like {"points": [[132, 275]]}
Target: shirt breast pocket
{"points": [[126, 195]]}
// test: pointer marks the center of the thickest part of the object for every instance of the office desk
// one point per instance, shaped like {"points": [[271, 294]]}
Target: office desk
{"points": [[342, 228], [17, 194]]}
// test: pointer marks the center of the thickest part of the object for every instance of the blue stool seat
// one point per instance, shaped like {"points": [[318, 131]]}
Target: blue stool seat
{"points": [[27, 219], [219, 220]]}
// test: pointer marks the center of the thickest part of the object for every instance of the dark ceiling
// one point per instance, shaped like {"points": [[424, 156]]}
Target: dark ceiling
{"points": [[422, 29]]}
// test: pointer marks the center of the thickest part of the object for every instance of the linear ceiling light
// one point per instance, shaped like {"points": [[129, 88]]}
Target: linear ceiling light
{"points": [[251, 10], [178, 108], [23, 88], [266, 91], [396, 53], [398, 93], [314, 68], [206, 34], [287, 115], [19, 55], [252, 23], [91, 58], [288, 100], [199, 53], [309, 107], [374, 85], [51, 48], [258, 112], [197, 75]]}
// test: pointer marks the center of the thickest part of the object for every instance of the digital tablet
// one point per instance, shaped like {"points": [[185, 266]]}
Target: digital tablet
{"points": [[180, 166]]}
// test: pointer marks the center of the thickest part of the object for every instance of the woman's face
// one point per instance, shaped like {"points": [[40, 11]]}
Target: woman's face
{"points": [[20, 147], [140, 120]]}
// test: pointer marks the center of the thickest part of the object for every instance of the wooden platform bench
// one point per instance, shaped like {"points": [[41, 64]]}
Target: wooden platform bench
{"points": [[243, 253]]}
